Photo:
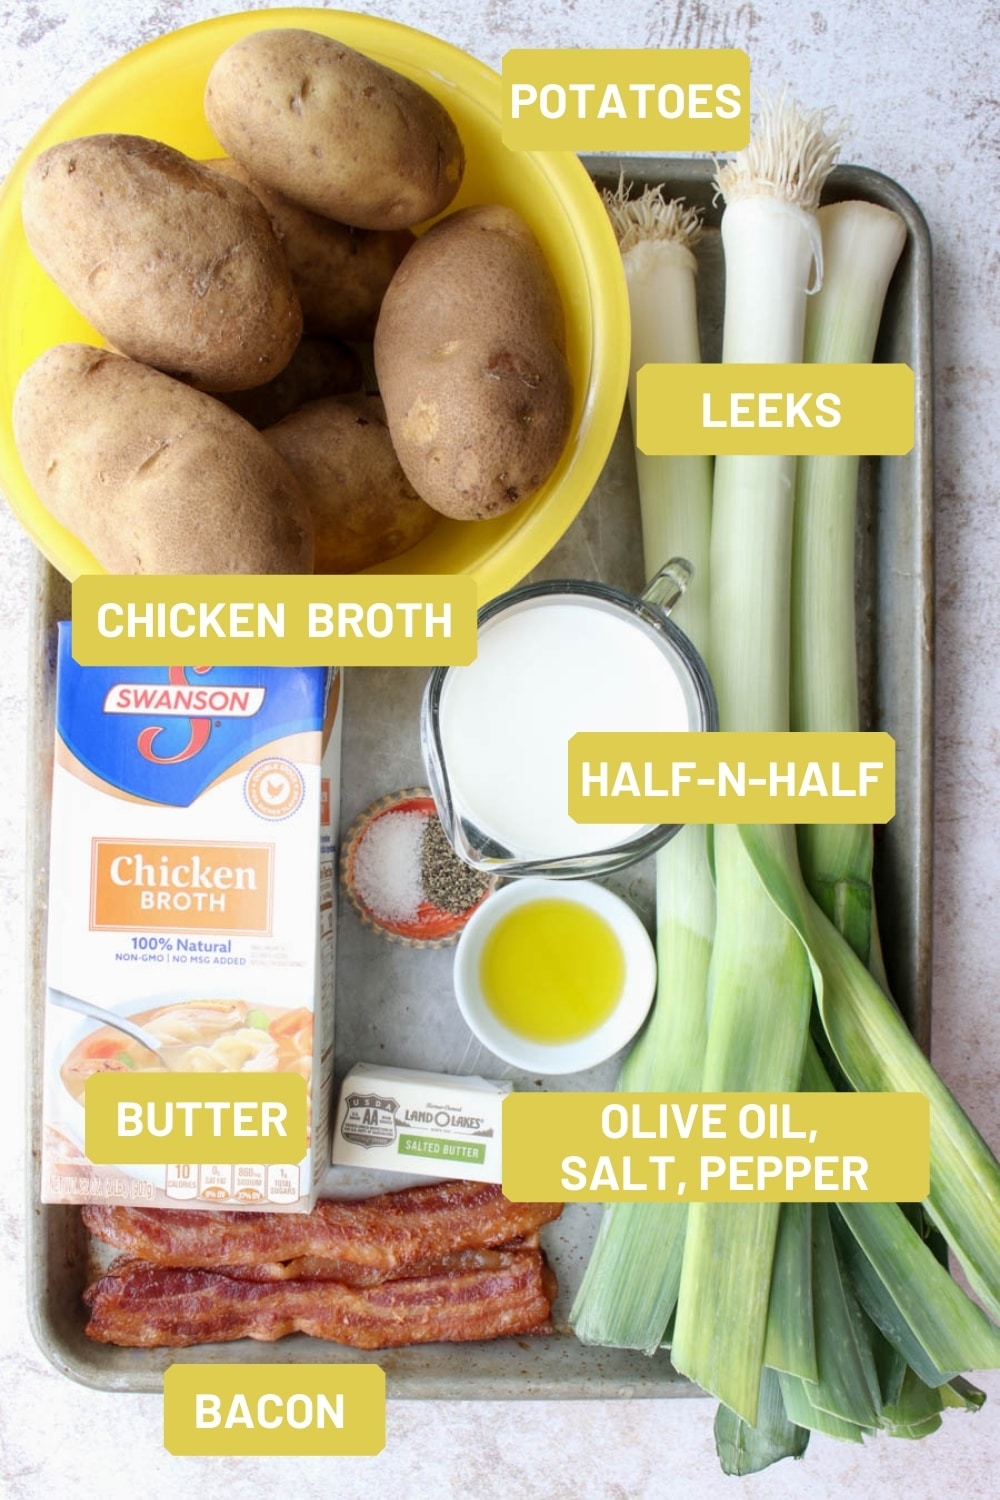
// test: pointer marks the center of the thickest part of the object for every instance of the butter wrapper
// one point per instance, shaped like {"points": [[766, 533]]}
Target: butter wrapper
{"points": [[430, 1124]]}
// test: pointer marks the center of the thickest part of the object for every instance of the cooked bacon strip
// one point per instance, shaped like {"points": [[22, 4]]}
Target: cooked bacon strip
{"points": [[311, 1268], [157, 1306], [366, 1240]]}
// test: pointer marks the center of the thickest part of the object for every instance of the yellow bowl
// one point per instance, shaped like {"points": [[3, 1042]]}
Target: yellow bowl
{"points": [[157, 91]]}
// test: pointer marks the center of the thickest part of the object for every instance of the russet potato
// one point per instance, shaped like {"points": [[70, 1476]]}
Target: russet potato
{"points": [[173, 264], [471, 364], [318, 368], [364, 509], [152, 476], [333, 130], [339, 273]]}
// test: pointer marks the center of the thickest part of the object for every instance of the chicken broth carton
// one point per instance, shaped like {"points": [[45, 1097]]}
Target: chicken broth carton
{"points": [[191, 893]]}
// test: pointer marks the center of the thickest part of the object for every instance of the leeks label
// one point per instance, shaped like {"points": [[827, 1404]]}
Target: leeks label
{"points": [[732, 777], [626, 99], [358, 620], [134, 1118], [716, 1148], [274, 1409], [775, 409]]}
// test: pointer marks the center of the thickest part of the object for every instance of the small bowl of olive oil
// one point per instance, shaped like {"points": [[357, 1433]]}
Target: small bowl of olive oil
{"points": [[554, 976]]}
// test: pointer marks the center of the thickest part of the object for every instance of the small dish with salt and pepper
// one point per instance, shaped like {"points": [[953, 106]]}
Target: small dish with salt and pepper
{"points": [[402, 876]]}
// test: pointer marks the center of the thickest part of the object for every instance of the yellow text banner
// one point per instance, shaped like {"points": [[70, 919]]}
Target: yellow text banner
{"points": [[732, 777], [134, 1118], [716, 1148], [292, 1409], [626, 99], [227, 620], [776, 409]]}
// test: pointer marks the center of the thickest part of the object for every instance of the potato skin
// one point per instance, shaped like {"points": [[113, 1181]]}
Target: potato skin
{"points": [[333, 130], [317, 369], [152, 476], [340, 274], [363, 507], [471, 364], [171, 263]]}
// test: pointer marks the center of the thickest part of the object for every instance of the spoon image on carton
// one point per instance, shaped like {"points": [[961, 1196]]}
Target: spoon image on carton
{"points": [[108, 1018]]}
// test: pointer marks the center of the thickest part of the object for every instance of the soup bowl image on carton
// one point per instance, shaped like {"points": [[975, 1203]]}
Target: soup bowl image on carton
{"points": [[191, 912]]}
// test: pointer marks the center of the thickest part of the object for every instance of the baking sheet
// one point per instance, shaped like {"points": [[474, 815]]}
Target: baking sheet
{"points": [[394, 1004]]}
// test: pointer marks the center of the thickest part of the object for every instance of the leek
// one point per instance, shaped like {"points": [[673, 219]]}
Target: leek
{"points": [[760, 988], [861, 246], [630, 1286], [747, 1450], [877, 1053]]}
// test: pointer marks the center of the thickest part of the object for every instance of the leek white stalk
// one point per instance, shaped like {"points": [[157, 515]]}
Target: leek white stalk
{"points": [[630, 1286], [760, 986], [862, 243]]}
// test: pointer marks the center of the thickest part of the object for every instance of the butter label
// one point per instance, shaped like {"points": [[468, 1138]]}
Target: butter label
{"points": [[431, 1124], [626, 99], [199, 1118], [775, 409]]}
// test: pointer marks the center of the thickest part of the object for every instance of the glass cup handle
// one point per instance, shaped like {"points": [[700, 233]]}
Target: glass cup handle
{"points": [[667, 586]]}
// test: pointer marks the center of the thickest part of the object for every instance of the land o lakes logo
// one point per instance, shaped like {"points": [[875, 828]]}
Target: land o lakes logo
{"points": [[376, 1120]]}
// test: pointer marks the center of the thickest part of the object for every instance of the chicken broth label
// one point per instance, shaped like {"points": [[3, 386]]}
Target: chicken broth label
{"points": [[191, 931], [168, 885], [252, 621]]}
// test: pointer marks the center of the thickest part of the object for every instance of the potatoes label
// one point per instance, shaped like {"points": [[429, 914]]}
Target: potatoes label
{"points": [[626, 99]]}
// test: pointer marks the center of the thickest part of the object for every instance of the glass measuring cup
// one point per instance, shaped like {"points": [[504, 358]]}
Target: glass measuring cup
{"points": [[495, 744]]}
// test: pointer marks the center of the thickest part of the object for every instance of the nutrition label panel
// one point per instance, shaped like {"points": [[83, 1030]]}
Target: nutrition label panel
{"points": [[247, 1183]]}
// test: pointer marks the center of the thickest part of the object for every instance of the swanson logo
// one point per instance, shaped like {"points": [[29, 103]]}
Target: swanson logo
{"points": [[178, 698]]}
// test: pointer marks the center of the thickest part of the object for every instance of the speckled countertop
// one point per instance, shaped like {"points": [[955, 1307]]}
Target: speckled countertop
{"points": [[917, 84]]}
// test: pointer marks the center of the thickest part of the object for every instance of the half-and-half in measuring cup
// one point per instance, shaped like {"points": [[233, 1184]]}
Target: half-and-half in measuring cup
{"points": [[556, 659]]}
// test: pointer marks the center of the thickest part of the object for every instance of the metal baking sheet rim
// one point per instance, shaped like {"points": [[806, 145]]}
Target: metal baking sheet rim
{"points": [[558, 1367]]}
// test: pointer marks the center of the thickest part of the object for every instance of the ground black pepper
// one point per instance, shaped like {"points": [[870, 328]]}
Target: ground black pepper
{"points": [[449, 883]]}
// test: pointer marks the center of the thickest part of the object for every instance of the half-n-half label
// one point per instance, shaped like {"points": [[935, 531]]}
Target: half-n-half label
{"points": [[626, 99], [172, 885], [716, 1148], [292, 1409], [358, 620], [734, 777], [135, 1118], [775, 409]]}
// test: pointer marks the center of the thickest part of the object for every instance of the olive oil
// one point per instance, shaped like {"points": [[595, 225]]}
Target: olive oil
{"points": [[552, 970]]}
